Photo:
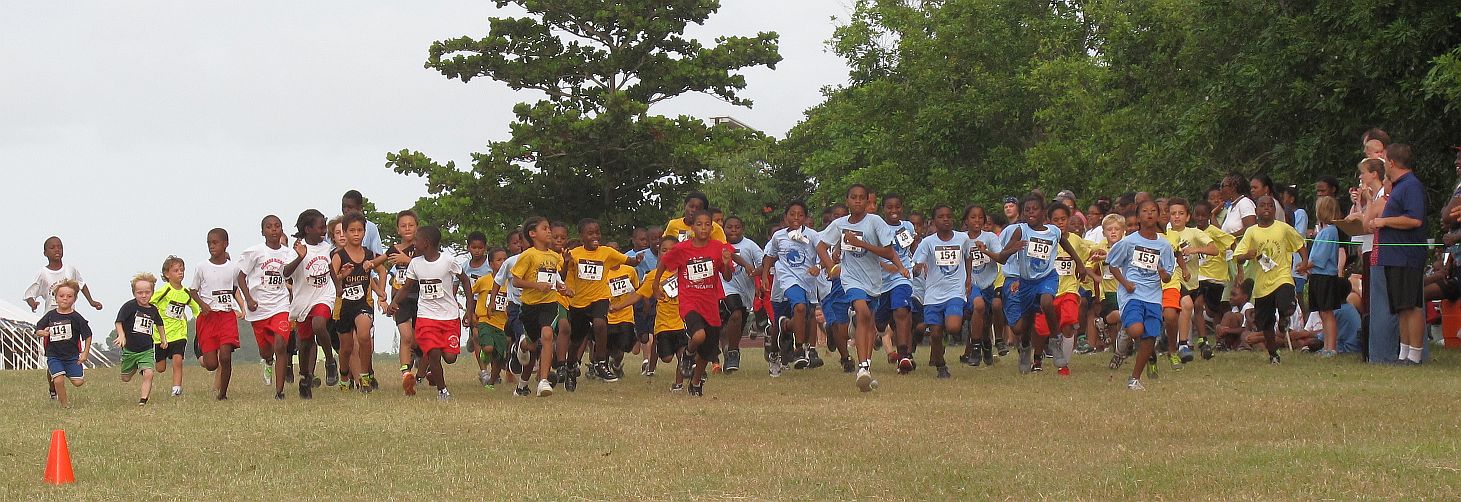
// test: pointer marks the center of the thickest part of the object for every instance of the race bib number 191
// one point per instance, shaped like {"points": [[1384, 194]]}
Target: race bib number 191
{"points": [[432, 290]]}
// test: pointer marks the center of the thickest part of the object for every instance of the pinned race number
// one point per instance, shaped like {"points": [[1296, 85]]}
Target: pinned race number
{"points": [[1064, 266], [273, 280], [904, 238], [142, 324], [499, 303], [224, 299], [699, 269], [977, 259], [175, 310], [432, 289], [1266, 263], [1145, 258], [548, 277], [354, 293], [672, 288], [590, 270], [947, 256], [620, 286], [59, 332], [1038, 248], [849, 248]]}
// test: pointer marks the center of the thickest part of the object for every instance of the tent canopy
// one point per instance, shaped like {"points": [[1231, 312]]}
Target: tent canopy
{"points": [[13, 312]]}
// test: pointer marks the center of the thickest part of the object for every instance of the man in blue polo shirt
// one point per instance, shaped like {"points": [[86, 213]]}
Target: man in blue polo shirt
{"points": [[1401, 249]]}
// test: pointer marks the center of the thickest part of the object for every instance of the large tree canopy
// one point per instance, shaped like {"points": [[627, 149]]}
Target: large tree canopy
{"points": [[590, 147], [966, 100]]}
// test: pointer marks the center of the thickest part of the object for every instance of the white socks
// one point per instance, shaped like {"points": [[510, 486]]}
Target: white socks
{"points": [[1412, 354]]}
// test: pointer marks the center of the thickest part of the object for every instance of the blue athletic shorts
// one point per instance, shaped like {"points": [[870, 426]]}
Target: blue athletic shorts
{"points": [[1149, 315], [69, 367], [988, 294], [1026, 298], [900, 297], [838, 311], [935, 314]]}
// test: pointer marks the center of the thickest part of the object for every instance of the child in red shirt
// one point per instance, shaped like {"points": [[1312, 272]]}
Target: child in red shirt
{"points": [[696, 262]]}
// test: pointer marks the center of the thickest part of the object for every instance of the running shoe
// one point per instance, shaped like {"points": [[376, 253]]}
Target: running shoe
{"points": [[289, 372], [1151, 370], [268, 373], [1063, 371], [801, 361], [773, 367], [279, 396], [1026, 365], [687, 364], [698, 390], [732, 360], [604, 373], [1117, 357], [1206, 350], [905, 365], [1273, 359], [521, 390], [332, 373], [813, 360], [943, 372], [1134, 384], [1037, 366], [443, 395], [177, 391], [1003, 348], [545, 389], [847, 366], [306, 391], [864, 379], [571, 383], [1185, 352], [988, 353], [679, 387], [53, 395], [1176, 362]]}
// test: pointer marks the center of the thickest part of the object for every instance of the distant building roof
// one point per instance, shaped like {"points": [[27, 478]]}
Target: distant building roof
{"points": [[729, 122]]}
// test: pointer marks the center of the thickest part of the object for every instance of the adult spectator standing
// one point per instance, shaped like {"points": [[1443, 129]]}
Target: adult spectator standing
{"points": [[1239, 211], [1402, 253], [353, 202]]}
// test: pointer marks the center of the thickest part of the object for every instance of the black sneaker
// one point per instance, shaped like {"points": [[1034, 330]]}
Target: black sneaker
{"points": [[943, 372], [570, 384], [1037, 366], [306, 391], [698, 390], [279, 396], [677, 387], [521, 392], [964, 359], [847, 366], [602, 371], [988, 355], [1206, 351], [289, 373], [732, 361], [557, 374], [1273, 359], [332, 373], [53, 395], [814, 360], [687, 364], [976, 356], [801, 362], [1003, 348]]}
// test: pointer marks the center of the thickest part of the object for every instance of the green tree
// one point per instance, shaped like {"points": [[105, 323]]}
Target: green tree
{"points": [[590, 147], [751, 185]]}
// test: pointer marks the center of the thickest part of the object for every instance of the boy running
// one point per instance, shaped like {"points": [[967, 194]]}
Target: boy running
{"points": [[1271, 244], [695, 263], [67, 337], [313, 295], [174, 302], [436, 281], [538, 273], [137, 322], [401, 254], [215, 290], [940, 260], [740, 291], [261, 273], [491, 343], [983, 297], [55, 272], [1140, 263], [358, 273], [1032, 281], [896, 296], [1212, 277], [792, 255], [588, 311], [864, 240]]}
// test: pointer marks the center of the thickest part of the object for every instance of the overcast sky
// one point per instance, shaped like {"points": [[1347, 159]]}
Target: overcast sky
{"points": [[131, 128]]}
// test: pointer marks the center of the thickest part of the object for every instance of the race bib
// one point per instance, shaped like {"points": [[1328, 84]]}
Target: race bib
{"points": [[699, 270], [672, 288], [433, 290], [354, 293], [620, 286], [1038, 248], [1064, 266], [60, 332], [947, 256], [1106, 273], [977, 259], [1145, 258], [318, 281], [590, 270], [273, 280], [1228, 255], [1266, 263], [142, 324], [223, 298], [904, 238], [848, 248], [549, 278], [499, 303], [684, 234], [175, 310], [1202, 260]]}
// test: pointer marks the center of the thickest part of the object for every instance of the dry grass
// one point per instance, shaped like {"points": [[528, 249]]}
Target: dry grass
{"points": [[1232, 428]]}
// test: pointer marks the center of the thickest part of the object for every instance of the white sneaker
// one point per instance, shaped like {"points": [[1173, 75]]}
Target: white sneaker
{"points": [[545, 389], [484, 376], [177, 391], [443, 395], [865, 380], [1134, 384], [268, 373]]}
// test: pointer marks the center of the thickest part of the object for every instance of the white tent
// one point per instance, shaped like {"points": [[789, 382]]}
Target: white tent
{"points": [[20, 349]]}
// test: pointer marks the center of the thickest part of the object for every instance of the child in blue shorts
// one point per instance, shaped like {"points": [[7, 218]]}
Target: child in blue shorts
{"points": [[1140, 263], [940, 260], [67, 337]]}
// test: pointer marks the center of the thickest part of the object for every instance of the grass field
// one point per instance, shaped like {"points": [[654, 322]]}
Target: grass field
{"points": [[1231, 428]]}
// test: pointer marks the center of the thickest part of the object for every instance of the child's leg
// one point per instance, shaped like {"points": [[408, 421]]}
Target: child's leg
{"points": [[865, 327], [1169, 328], [433, 369], [408, 341], [952, 324], [319, 340], [545, 341], [1146, 346], [1067, 345], [177, 373], [731, 331], [60, 389], [839, 338], [1184, 319], [209, 361], [1331, 329], [347, 354], [225, 369], [696, 340], [977, 323], [649, 354], [280, 343], [146, 390], [1052, 324], [364, 346], [601, 339]]}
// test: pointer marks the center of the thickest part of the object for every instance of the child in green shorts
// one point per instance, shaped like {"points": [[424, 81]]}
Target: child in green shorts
{"points": [[137, 322], [490, 344]]}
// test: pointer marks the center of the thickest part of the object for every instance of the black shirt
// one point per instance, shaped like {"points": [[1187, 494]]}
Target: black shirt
{"points": [[355, 286], [399, 271], [63, 333], [138, 325]]}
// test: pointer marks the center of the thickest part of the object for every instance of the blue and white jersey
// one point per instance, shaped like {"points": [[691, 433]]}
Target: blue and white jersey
{"points": [[1139, 258], [648, 261], [1037, 259], [861, 269], [983, 268], [945, 267], [795, 250], [904, 240], [474, 273], [504, 277], [741, 282]]}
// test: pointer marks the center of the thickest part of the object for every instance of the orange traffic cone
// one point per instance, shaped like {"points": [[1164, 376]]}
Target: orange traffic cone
{"points": [[58, 462]]}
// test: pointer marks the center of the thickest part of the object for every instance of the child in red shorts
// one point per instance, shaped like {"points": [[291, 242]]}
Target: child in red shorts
{"points": [[313, 293], [266, 297], [436, 281], [215, 287]]}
